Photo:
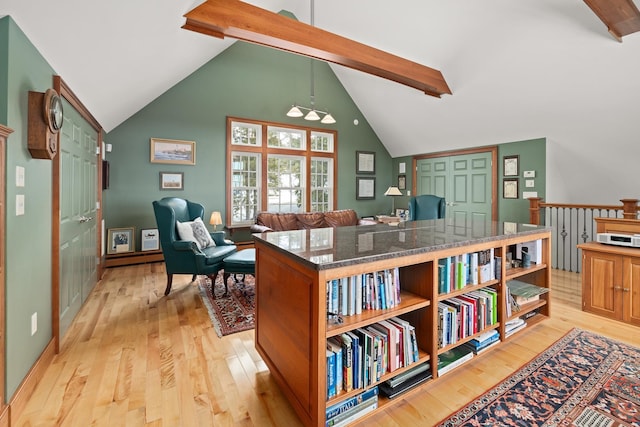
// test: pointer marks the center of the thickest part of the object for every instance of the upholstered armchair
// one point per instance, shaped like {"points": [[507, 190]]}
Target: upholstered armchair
{"points": [[188, 247], [426, 206]]}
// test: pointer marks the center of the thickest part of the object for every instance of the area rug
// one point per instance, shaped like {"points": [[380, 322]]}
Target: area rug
{"points": [[582, 380], [233, 312]]}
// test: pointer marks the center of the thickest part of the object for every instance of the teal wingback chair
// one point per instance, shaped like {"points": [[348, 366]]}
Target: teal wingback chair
{"points": [[426, 206], [184, 256]]}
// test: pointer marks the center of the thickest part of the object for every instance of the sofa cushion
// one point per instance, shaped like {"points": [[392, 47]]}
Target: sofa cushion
{"points": [[278, 221], [308, 220], [341, 218]]}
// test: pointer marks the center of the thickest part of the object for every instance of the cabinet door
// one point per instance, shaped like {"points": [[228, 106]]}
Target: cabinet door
{"points": [[601, 282], [631, 291]]}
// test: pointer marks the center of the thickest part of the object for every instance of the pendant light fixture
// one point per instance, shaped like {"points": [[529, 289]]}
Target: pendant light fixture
{"points": [[312, 113]]}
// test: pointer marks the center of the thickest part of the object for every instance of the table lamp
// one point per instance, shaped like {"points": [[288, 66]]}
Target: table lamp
{"points": [[215, 220], [393, 191]]}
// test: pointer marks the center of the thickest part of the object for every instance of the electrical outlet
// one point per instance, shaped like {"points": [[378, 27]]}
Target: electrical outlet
{"points": [[34, 323]]}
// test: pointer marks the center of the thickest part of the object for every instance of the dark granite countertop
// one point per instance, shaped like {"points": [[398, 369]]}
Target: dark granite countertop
{"points": [[327, 248]]}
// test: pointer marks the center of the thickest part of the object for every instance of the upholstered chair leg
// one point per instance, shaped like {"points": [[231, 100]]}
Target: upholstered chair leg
{"points": [[226, 278], [193, 278], [169, 281]]}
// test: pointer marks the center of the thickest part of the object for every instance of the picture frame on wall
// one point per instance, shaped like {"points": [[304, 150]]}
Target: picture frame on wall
{"points": [[402, 182], [365, 188], [173, 151], [365, 162], [510, 188], [149, 239], [510, 165], [120, 240], [171, 180]]}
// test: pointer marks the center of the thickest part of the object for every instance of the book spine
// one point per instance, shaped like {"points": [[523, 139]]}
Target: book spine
{"points": [[341, 407]]}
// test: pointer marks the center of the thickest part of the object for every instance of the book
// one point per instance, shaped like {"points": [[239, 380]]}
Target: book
{"points": [[354, 413], [453, 358], [336, 349], [345, 405], [400, 378], [331, 374], [413, 381]]}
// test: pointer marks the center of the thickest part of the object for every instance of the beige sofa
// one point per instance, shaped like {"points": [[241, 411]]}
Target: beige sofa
{"points": [[272, 221]]}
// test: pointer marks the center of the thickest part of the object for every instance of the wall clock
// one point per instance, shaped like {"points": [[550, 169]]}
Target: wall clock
{"points": [[45, 121]]}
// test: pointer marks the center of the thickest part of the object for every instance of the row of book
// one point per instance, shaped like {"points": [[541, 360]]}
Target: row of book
{"points": [[474, 268], [349, 410], [358, 358], [379, 290], [466, 315]]}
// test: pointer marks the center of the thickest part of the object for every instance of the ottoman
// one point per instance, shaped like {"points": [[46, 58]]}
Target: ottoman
{"points": [[241, 262]]}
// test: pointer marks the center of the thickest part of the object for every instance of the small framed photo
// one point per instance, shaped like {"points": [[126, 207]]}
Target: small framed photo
{"points": [[173, 151], [401, 213], [171, 180], [510, 165], [365, 188], [510, 188], [402, 182], [120, 240], [365, 162], [149, 239]]}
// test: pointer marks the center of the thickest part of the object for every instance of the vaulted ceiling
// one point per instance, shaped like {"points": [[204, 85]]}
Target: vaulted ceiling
{"points": [[517, 69]]}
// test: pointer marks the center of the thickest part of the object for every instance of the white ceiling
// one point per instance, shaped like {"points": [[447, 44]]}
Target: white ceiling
{"points": [[517, 69]]}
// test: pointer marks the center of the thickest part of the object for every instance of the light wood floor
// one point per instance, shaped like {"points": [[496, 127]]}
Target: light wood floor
{"points": [[134, 357]]}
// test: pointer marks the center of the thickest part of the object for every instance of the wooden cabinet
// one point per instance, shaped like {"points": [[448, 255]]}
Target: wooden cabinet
{"points": [[293, 268], [611, 281]]}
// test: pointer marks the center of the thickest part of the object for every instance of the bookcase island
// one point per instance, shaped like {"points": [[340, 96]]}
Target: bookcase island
{"points": [[295, 271]]}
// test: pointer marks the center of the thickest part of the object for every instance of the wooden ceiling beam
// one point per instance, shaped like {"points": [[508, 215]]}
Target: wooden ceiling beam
{"points": [[239, 20], [620, 16]]}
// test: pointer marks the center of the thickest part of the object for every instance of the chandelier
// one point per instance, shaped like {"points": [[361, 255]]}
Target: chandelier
{"points": [[312, 113]]}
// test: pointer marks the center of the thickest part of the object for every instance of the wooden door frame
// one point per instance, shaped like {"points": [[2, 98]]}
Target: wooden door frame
{"points": [[65, 91], [493, 150]]}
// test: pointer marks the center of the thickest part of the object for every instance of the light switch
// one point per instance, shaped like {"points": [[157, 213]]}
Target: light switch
{"points": [[19, 204]]}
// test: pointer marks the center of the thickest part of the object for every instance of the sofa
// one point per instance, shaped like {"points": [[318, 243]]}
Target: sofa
{"points": [[276, 221]]}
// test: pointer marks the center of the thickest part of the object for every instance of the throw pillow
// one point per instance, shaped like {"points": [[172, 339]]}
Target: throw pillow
{"points": [[195, 231]]}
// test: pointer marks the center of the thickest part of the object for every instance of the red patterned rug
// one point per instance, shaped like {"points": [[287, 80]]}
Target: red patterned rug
{"points": [[582, 380], [233, 312]]}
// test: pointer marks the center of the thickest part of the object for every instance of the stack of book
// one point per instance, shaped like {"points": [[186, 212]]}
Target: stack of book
{"points": [[521, 293], [453, 358], [513, 326], [406, 381], [349, 410], [483, 341]]}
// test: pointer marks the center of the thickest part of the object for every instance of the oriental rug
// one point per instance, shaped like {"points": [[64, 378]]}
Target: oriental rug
{"points": [[583, 379], [233, 312]]}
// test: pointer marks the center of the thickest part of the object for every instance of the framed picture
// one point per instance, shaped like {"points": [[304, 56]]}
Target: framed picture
{"points": [[401, 213], [365, 188], [365, 162], [510, 165], [120, 240], [510, 188], [402, 182], [149, 240], [171, 180], [173, 151]]}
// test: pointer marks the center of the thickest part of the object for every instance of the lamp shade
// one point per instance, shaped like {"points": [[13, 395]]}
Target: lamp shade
{"points": [[328, 119], [295, 112], [312, 115], [393, 191], [216, 218]]}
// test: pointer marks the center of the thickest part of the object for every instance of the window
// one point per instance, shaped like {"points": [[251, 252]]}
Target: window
{"points": [[299, 169]]}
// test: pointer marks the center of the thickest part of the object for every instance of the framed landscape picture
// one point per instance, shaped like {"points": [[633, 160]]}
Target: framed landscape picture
{"points": [[173, 151], [171, 181]]}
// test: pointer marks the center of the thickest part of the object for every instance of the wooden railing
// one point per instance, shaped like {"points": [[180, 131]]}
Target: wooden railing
{"points": [[573, 224]]}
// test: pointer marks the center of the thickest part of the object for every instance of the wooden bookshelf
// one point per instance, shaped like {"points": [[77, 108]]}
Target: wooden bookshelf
{"points": [[292, 325]]}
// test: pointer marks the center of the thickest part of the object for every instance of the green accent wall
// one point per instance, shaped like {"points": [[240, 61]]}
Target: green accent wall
{"points": [[28, 237], [245, 81], [532, 157]]}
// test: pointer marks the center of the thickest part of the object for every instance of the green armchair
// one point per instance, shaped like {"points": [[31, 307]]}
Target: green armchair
{"points": [[427, 206], [187, 256]]}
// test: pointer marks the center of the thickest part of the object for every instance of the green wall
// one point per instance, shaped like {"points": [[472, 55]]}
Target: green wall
{"points": [[532, 157], [246, 81], [28, 237]]}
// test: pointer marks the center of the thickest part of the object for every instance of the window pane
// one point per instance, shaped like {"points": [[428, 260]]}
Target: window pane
{"points": [[285, 184], [285, 138], [245, 194], [321, 184], [322, 142], [246, 134]]}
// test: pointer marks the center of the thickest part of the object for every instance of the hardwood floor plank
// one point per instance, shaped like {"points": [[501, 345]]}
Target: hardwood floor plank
{"points": [[134, 357]]}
